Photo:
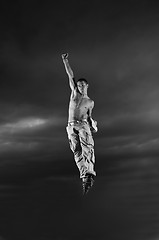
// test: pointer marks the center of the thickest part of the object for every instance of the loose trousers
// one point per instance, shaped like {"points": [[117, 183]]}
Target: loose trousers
{"points": [[82, 145]]}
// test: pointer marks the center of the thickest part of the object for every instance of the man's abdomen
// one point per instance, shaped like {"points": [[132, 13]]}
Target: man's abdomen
{"points": [[77, 114]]}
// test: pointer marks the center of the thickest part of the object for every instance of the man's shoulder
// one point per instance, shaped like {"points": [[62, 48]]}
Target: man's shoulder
{"points": [[89, 99], [91, 102]]}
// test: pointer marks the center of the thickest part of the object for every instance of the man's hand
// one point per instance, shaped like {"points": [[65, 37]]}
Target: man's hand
{"points": [[64, 56], [93, 125]]}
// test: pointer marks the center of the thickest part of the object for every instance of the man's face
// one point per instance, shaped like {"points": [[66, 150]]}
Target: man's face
{"points": [[82, 86]]}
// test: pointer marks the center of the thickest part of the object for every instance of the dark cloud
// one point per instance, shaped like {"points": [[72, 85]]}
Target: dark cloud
{"points": [[124, 203]]}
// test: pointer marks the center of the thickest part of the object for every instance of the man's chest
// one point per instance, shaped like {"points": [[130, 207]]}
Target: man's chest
{"points": [[81, 102]]}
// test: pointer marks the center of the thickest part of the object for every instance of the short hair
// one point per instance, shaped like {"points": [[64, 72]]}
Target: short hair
{"points": [[82, 80]]}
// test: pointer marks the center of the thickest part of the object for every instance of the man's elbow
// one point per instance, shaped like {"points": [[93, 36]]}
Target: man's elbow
{"points": [[89, 120]]}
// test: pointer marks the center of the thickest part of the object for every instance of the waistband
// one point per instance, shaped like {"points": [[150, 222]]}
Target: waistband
{"points": [[77, 122]]}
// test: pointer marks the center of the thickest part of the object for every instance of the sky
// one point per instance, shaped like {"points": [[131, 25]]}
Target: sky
{"points": [[115, 46]]}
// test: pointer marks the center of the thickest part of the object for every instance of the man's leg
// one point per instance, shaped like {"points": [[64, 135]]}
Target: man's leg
{"points": [[87, 144], [75, 145]]}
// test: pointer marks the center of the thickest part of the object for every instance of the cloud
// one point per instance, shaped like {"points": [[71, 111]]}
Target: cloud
{"points": [[29, 133], [22, 125], [121, 65], [128, 133]]}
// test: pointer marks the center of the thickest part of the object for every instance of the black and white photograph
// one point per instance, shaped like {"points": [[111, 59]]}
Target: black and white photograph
{"points": [[79, 120]]}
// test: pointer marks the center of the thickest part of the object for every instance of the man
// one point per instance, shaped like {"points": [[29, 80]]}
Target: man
{"points": [[80, 127]]}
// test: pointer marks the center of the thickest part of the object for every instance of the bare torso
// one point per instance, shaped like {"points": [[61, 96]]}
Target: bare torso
{"points": [[79, 106]]}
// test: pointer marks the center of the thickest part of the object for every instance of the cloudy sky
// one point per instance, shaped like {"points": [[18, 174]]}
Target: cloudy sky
{"points": [[115, 46]]}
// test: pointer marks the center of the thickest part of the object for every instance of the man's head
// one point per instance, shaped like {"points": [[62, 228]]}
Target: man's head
{"points": [[82, 85]]}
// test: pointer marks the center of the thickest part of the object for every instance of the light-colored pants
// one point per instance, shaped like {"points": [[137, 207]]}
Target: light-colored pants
{"points": [[82, 145]]}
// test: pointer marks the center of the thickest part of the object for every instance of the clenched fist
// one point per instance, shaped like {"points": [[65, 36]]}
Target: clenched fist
{"points": [[64, 56]]}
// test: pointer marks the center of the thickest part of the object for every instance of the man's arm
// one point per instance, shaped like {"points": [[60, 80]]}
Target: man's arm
{"points": [[69, 71], [91, 121]]}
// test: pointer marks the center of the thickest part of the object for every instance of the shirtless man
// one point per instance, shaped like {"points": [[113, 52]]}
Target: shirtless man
{"points": [[80, 127]]}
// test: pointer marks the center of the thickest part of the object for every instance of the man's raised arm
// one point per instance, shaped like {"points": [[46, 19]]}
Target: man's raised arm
{"points": [[69, 71]]}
